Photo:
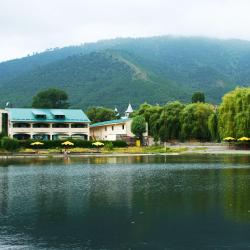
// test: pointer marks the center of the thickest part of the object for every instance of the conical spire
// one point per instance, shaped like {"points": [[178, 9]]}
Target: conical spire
{"points": [[129, 110], [116, 112]]}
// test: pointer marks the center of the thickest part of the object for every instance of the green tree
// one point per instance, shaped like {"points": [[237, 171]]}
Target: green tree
{"points": [[234, 114], [138, 126], [170, 124], [51, 98], [101, 114], [152, 117], [198, 97], [213, 126], [194, 121]]}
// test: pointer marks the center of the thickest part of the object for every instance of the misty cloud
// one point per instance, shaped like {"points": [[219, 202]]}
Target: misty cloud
{"points": [[34, 25]]}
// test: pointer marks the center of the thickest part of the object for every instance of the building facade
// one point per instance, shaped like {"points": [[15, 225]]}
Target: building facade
{"points": [[113, 130], [45, 124]]}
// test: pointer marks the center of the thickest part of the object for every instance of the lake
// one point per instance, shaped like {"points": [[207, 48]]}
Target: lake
{"points": [[139, 202]]}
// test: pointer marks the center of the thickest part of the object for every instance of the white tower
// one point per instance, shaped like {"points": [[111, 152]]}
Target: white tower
{"points": [[129, 110]]}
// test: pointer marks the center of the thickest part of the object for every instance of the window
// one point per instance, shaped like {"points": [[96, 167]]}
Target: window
{"points": [[41, 116], [79, 125], [105, 128], [60, 125], [123, 126], [59, 117], [21, 125], [112, 128], [40, 125]]}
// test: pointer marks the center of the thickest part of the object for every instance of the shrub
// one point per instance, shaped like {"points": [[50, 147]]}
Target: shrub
{"points": [[108, 146], [119, 144], [10, 144]]}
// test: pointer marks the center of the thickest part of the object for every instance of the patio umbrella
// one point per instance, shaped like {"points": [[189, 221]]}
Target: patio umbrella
{"points": [[37, 143], [244, 139], [68, 143], [229, 139], [98, 144]]}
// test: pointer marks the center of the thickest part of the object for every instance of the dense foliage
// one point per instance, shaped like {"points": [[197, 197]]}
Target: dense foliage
{"points": [[170, 123], [200, 121], [138, 126], [234, 114], [198, 97], [213, 126], [101, 114], [109, 73], [51, 98], [194, 121], [10, 144]]}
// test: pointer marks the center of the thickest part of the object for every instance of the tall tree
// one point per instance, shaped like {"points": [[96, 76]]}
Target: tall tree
{"points": [[234, 114], [101, 114], [51, 98], [198, 97], [138, 126], [152, 117], [170, 124], [213, 126], [194, 121]]}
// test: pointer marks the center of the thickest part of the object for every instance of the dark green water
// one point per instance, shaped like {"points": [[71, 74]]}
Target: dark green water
{"points": [[173, 202]]}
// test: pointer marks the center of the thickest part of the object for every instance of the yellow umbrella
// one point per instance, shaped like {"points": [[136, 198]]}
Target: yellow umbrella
{"points": [[98, 144], [229, 139], [37, 143], [68, 143], [244, 139]]}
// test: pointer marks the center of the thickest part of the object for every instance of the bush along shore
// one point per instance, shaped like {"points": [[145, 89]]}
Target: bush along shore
{"points": [[12, 148]]}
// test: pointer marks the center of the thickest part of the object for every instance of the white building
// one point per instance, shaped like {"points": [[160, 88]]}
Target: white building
{"points": [[44, 124], [115, 129]]}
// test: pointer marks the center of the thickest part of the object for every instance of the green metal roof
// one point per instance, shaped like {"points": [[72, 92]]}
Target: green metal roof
{"points": [[38, 112], [29, 115], [99, 124]]}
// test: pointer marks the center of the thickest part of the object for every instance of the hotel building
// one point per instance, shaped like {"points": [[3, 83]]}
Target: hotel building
{"points": [[44, 124]]}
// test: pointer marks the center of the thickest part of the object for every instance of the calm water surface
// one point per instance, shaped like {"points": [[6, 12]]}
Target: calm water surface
{"points": [[153, 202]]}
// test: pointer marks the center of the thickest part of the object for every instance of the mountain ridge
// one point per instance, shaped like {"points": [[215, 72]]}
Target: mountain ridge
{"points": [[109, 73]]}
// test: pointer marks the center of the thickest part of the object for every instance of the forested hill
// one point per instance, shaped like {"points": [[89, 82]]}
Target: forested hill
{"points": [[112, 72]]}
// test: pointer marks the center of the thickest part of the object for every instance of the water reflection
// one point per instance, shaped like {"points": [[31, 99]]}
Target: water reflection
{"points": [[39, 161], [125, 202]]}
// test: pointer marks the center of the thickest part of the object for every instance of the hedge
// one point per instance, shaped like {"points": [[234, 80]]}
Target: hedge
{"points": [[10, 144]]}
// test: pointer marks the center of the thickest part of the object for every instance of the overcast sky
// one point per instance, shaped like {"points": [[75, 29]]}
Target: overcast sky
{"points": [[28, 26]]}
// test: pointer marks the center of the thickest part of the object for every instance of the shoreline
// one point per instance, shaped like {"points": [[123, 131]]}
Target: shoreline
{"points": [[190, 151]]}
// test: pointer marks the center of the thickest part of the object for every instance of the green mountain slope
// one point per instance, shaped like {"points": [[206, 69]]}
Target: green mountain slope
{"points": [[98, 78], [112, 72]]}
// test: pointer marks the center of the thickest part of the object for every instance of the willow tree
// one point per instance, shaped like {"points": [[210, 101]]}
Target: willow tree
{"points": [[234, 114], [194, 121], [170, 124], [213, 126], [152, 115]]}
